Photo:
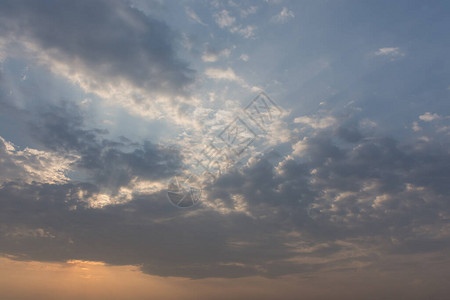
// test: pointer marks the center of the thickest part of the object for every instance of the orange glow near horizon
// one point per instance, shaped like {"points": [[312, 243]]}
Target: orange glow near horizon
{"points": [[77, 279]]}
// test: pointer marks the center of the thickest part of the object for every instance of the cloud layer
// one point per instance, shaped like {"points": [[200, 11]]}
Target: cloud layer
{"points": [[352, 176], [107, 47]]}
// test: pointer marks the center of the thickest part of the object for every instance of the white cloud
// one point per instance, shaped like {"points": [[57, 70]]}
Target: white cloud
{"points": [[100, 200], [229, 75], [246, 32], [149, 83], [368, 124], [284, 16], [428, 117], [244, 57], [416, 127], [225, 74], [249, 11], [223, 19], [32, 164], [316, 123], [300, 147], [213, 56], [193, 16], [389, 51], [444, 129], [424, 139], [278, 133]]}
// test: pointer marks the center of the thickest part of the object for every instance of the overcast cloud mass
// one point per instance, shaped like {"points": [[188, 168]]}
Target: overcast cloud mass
{"points": [[103, 102]]}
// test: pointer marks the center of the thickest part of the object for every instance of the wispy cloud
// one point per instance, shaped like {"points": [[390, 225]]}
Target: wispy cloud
{"points": [[246, 32], [389, 51], [316, 122], [228, 74], [244, 57], [429, 117], [248, 11], [284, 16], [193, 16], [122, 65], [32, 165], [223, 74], [223, 19], [212, 55]]}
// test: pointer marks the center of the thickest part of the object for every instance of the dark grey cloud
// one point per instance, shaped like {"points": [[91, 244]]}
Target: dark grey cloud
{"points": [[373, 193], [380, 187], [107, 39], [55, 127], [146, 232], [369, 187], [367, 190], [349, 190], [109, 163]]}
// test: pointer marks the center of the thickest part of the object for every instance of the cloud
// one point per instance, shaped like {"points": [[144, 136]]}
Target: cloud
{"points": [[212, 55], [326, 202], [223, 74], [108, 163], [244, 57], [316, 122], [223, 19], [193, 16], [389, 51], [284, 16], [32, 165], [416, 127], [336, 194], [429, 117], [106, 47], [248, 11], [330, 209], [229, 75], [246, 32], [300, 148]]}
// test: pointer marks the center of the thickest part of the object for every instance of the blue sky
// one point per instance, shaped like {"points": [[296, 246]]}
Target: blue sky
{"points": [[103, 102]]}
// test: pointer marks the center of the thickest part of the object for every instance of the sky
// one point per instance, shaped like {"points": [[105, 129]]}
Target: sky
{"points": [[224, 149]]}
